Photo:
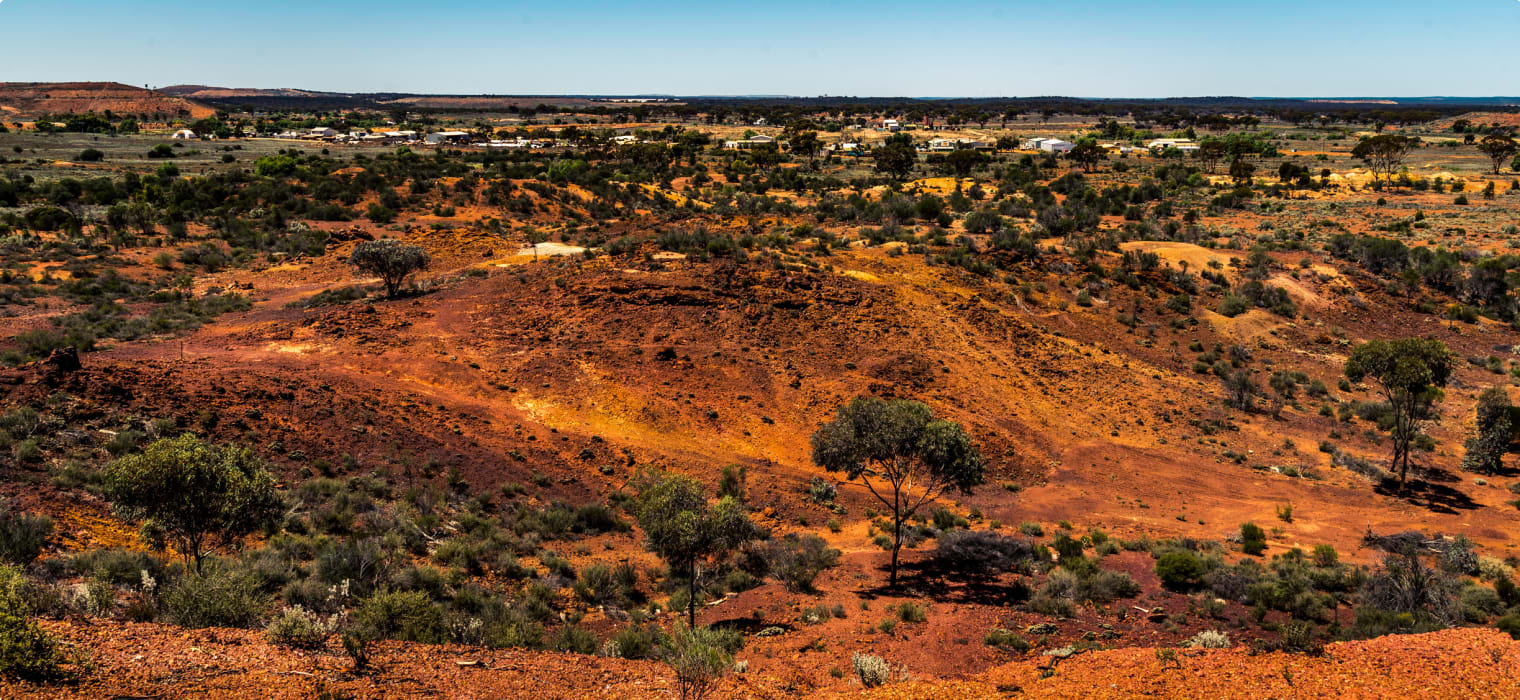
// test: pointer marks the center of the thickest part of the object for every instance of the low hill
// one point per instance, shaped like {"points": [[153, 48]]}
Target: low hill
{"points": [[32, 99], [208, 92]]}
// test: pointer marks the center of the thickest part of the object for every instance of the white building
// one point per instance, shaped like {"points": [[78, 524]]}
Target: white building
{"points": [[751, 142], [1184, 145], [442, 137], [891, 125], [185, 135], [323, 132], [956, 144], [1048, 145]]}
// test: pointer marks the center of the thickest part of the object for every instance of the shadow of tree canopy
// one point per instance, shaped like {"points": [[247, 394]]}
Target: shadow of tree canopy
{"points": [[1429, 491], [935, 580]]}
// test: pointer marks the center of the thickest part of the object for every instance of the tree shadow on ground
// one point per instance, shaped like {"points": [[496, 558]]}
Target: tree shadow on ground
{"points": [[1429, 492], [927, 579]]}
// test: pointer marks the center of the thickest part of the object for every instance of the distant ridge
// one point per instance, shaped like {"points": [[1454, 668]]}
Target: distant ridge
{"points": [[33, 99]]}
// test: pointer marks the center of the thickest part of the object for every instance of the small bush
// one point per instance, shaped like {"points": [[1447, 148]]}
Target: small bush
{"points": [[636, 642], [873, 671], [298, 628], [408, 616], [26, 651], [1179, 569], [1510, 624], [1492, 568], [821, 490], [600, 584], [1253, 540], [1458, 557], [1210, 639], [980, 552], [700, 659], [22, 535], [1006, 639], [796, 561], [222, 596], [911, 613], [575, 640]]}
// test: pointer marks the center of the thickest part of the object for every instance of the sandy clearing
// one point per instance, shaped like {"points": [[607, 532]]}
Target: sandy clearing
{"points": [[552, 248]]}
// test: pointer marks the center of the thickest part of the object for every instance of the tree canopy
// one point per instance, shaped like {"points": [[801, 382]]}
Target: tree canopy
{"points": [[685, 530], [199, 495], [896, 157], [1383, 153], [391, 260], [1492, 431], [1409, 373], [1498, 148], [903, 454], [1087, 153]]}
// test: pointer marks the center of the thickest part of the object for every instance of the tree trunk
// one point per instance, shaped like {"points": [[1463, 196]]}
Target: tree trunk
{"points": [[896, 547], [691, 598]]}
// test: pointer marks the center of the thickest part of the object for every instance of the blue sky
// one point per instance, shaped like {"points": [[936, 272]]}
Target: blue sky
{"points": [[1095, 48]]}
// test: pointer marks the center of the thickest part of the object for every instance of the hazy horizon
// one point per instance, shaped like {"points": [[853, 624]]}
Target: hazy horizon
{"points": [[890, 48]]}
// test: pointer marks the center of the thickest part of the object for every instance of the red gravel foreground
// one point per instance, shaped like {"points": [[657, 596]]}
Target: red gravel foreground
{"points": [[1462, 663], [148, 660]]}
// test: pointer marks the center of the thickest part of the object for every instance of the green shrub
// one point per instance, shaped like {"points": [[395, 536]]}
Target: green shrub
{"points": [[299, 628], [1209, 639], [944, 519], [1234, 305], [699, 659], [796, 560], [637, 642], [1510, 624], [911, 613], [409, 616], [575, 640], [1479, 603], [1253, 540], [515, 630], [119, 566], [220, 596], [460, 553], [1006, 639], [26, 651], [821, 490], [22, 535], [600, 584], [1179, 569]]}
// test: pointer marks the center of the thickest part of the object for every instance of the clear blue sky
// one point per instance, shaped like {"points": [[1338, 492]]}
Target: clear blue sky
{"points": [[1093, 48]]}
